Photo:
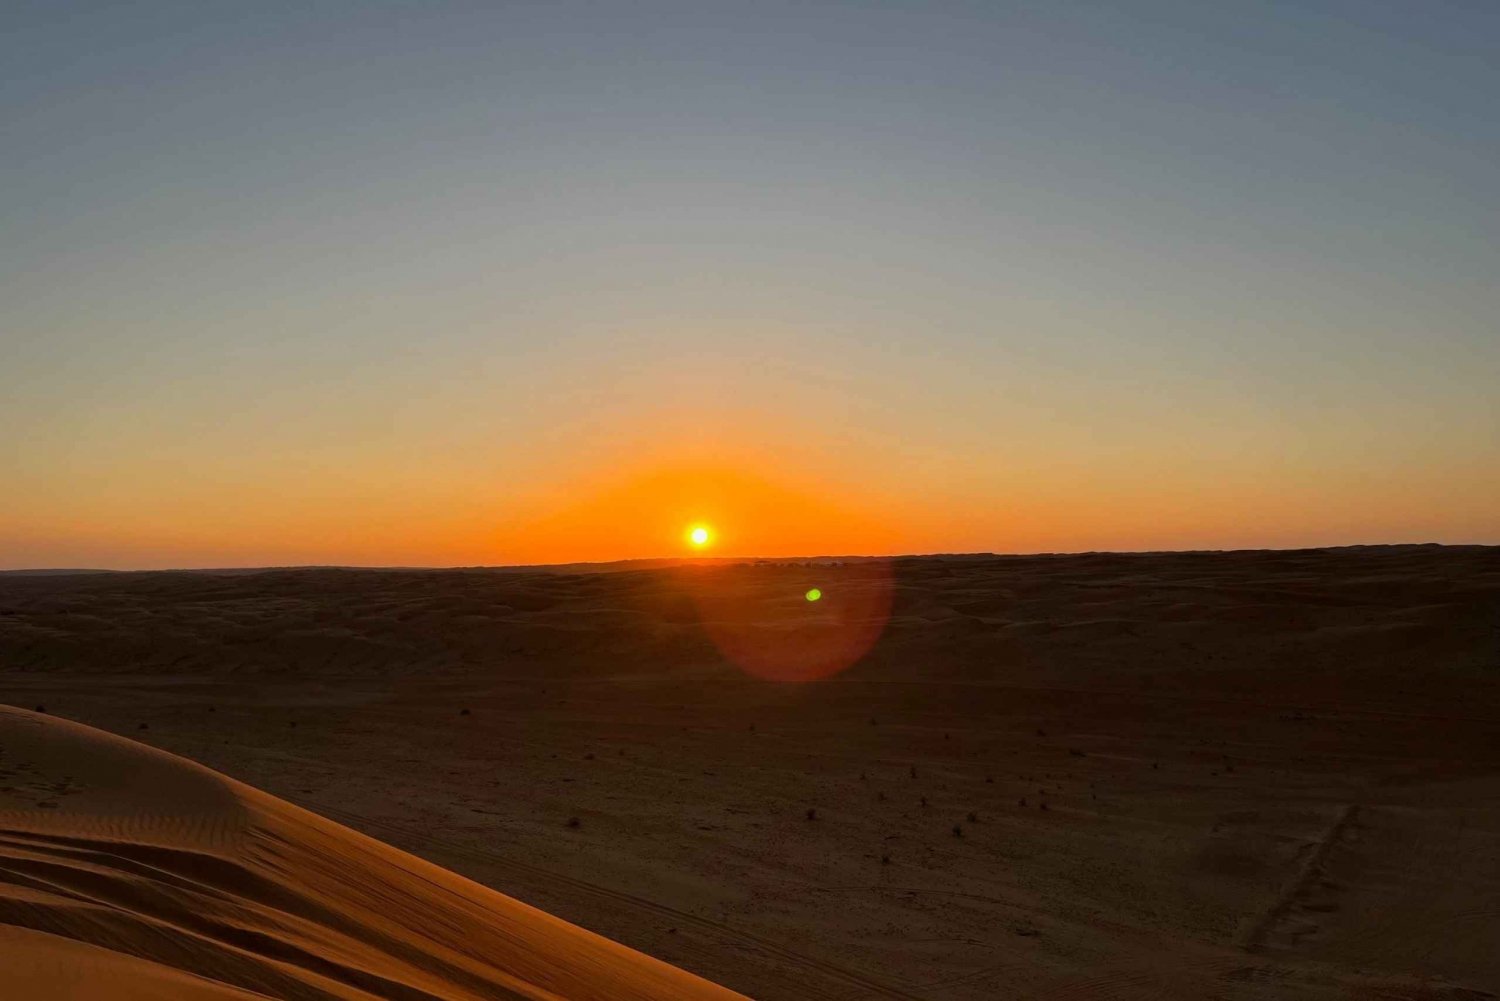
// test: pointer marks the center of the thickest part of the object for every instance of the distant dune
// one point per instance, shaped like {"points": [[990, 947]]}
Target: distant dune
{"points": [[55, 571], [611, 566], [128, 873], [669, 562]]}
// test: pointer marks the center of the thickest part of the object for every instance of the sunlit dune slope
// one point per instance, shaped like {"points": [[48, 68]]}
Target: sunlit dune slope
{"points": [[128, 873]]}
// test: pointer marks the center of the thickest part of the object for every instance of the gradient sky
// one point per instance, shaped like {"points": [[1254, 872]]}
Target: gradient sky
{"points": [[498, 283]]}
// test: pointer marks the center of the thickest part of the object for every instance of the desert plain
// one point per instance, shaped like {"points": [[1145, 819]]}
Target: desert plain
{"points": [[1237, 775]]}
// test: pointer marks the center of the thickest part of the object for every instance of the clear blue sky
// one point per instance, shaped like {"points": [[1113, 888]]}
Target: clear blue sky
{"points": [[381, 282]]}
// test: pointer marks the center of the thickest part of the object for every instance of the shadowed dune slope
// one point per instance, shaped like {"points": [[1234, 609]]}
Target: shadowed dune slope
{"points": [[129, 873]]}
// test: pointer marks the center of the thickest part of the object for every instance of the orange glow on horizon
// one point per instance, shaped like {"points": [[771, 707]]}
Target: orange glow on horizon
{"points": [[729, 511], [640, 496]]}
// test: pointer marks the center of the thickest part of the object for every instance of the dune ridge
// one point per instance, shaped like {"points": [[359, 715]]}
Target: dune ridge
{"points": [[130, 873]]}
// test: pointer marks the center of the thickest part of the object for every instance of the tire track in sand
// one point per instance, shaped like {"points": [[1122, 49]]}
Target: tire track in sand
{"points": [[1258, 938]]}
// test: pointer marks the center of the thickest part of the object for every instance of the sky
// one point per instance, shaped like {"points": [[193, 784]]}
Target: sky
{"points": [[489, 283]]}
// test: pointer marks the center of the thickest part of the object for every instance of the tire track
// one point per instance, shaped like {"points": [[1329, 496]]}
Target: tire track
{"points": [[1256, 939]]}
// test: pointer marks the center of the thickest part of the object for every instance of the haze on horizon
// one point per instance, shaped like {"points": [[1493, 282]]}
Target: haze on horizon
{"points": [[497, 284]]}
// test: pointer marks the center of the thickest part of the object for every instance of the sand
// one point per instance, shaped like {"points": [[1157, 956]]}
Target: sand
{"points": [[127, 872], [1265, 774]]}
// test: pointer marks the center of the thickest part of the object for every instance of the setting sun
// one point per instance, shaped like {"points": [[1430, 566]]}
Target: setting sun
{"points": [[699, 535]]}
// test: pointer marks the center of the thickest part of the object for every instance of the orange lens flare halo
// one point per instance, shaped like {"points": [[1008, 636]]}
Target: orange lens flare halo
{"points": [[794, 622]]}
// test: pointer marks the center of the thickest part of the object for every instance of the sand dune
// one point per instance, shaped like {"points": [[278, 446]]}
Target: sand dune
{"points": [[129, 873]]}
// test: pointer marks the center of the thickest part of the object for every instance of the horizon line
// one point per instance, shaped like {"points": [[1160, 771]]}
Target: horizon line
{"points": [[658, 561]]}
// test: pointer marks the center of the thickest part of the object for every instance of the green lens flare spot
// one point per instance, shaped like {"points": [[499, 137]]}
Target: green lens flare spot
{"points": [[814, 594]]}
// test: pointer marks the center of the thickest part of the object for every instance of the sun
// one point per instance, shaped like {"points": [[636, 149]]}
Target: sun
{"points": [[699, 536]]}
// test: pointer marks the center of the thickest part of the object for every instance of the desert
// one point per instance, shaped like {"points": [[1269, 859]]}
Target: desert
{"points": [[1256, 774]]}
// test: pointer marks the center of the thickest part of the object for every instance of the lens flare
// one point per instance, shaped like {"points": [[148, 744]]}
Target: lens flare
{"points": [[752, 615]]}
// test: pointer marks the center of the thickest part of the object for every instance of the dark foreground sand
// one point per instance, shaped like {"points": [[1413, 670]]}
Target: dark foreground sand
{"points": [[1239, 775]]}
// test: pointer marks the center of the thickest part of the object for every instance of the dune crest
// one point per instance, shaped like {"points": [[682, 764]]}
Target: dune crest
{"points": [[128, 873]]}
